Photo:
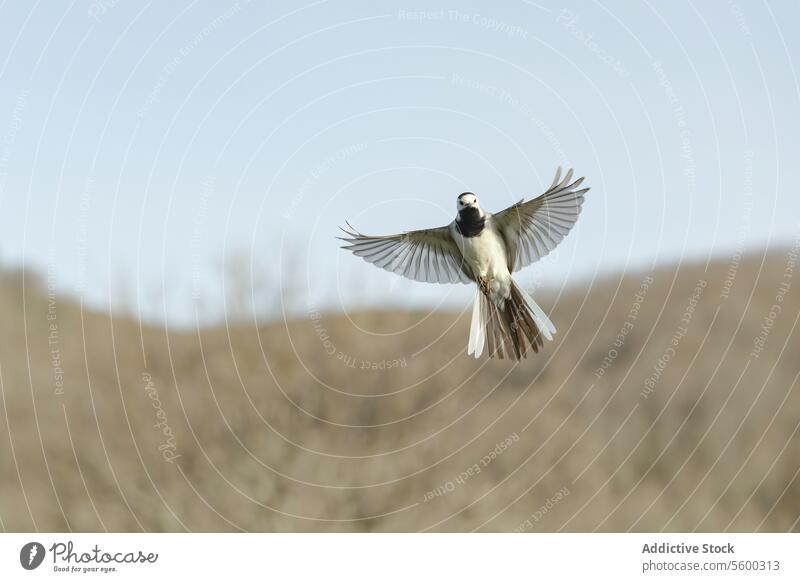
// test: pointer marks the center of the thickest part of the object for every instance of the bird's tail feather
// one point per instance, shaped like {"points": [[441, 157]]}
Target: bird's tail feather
{"points": [[508, 330], [477, 329]]}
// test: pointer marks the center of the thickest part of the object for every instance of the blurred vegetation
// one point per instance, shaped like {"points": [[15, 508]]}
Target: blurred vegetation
{"points": [[375, 421]]}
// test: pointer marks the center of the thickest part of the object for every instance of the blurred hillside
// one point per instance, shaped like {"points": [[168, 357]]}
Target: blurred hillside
{"points": [[669, 401]]}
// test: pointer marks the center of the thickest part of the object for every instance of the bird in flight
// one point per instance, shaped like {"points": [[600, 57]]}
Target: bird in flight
{"points": [[484, 248]]}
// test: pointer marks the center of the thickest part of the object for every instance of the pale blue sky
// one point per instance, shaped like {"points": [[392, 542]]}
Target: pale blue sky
{"points": [[142, 142]]}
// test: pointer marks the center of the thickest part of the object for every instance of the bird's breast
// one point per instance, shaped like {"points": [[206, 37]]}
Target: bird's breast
{"points": [[485, 253]]}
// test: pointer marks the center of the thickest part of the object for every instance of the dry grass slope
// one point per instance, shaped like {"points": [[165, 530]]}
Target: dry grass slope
{"points": [[265, 431]]}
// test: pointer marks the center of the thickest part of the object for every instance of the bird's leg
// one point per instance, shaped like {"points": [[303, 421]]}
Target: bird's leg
{"points": [[483, 284]]}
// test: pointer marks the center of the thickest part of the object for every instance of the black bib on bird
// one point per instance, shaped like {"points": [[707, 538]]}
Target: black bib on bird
{"points": [[470, 222]]}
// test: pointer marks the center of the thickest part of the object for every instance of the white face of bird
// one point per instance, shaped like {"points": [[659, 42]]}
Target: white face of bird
{"points": [[467, 200]]}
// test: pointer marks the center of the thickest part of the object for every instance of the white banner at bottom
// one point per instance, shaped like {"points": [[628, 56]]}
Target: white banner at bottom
{"points": [[355, 557]]}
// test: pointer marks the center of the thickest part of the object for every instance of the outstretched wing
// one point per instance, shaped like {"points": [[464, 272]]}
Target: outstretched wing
{"points": [[429, 255], [532, 229]]}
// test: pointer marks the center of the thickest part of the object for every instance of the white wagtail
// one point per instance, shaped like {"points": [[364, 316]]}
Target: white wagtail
{"points": [[486, 248]]}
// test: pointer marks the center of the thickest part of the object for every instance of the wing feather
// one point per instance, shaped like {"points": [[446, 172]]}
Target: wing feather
{"points": [[428, 255], [533, 229]]}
